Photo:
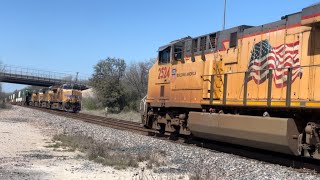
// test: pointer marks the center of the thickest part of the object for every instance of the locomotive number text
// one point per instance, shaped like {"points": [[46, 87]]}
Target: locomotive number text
{"points": [[164, 72]]}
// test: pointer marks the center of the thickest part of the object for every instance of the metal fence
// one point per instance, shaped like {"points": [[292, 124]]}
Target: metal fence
{"points": [[36, 74]]}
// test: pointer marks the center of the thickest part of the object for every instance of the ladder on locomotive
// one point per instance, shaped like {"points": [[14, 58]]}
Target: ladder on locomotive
{"points": [[217, 80]]}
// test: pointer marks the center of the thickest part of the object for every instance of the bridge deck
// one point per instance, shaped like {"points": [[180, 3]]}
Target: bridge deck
{"points": [[18, 75]]}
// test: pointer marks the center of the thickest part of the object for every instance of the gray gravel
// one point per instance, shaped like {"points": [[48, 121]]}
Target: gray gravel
{"points": [[180, 159]]}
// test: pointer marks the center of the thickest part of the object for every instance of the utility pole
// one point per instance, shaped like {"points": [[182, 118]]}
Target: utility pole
{"points": [[224, 15], [77, 77]]}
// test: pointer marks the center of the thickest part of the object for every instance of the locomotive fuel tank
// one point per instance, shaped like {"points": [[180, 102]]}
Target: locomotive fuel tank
{"points": [[268, 133]]}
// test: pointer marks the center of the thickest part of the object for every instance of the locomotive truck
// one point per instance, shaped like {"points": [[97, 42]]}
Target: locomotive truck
{"points": [[255, 86]]}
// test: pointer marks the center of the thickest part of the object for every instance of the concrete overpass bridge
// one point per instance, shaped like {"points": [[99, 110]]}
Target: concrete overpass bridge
{"points": [[34, 77]]}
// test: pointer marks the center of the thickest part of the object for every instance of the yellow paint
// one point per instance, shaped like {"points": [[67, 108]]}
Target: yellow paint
{"points": [[191, 81], [312, 104]]}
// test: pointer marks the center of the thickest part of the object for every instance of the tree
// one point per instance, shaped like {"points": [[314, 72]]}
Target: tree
{"points": [[1, 75], [2, 94], [136, 82], [137, 76], [106, 80]]}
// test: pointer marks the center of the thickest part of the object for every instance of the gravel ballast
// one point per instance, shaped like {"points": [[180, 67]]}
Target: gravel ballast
{"points": [[180, 159]]}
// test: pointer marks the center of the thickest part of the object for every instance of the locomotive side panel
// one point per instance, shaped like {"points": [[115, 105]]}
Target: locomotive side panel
{"points": [[315, 60], [186, 84], [305, 84], [153, 85]]}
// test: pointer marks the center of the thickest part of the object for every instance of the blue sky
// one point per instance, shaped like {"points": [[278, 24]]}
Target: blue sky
{"points": [[73, 35]]}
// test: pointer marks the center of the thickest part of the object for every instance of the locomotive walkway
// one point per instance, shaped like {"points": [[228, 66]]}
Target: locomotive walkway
{"points": [[26, 76]]}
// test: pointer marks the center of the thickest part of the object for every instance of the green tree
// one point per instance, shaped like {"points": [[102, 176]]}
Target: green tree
{"points": [[106, 80], [1, 75], [2, 94]]}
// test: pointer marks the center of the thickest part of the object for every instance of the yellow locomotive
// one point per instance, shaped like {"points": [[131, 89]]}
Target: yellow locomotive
{"points": [[250, 85], [66, 97]]}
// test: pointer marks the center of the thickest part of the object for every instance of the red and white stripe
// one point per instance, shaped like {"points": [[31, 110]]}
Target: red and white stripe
{"points": [[279, 59]]}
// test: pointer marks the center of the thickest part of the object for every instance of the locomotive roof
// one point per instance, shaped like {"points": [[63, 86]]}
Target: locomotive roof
{"points": [[247, 30], [315, 4]]}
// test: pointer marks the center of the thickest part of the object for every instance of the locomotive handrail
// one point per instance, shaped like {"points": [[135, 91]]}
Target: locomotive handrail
{"points": [[245, 84], [265, 69]]}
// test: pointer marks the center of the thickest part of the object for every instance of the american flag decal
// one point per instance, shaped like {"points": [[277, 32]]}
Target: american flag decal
{"points": [[265, 57]]}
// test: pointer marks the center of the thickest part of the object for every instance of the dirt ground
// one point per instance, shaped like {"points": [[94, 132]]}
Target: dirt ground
{"points": [[24, 154]]}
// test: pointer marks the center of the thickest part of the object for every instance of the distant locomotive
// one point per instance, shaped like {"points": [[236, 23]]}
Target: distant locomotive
{"points": [[253, 86], [66, 97]]}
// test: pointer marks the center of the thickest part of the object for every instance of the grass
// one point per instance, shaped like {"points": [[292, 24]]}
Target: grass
{"points": [[198, 174], [155, 161], [128, 116], [90, 103], [108, 154], [5, 106], [202, 172]]}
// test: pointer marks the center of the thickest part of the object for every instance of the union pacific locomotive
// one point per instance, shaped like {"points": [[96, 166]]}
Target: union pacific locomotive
{"points": [[255, 86], [66, 97]]}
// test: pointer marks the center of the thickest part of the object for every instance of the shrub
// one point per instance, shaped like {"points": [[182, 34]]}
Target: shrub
{"points": [[5, 106], [109, 154], [90, 103]]}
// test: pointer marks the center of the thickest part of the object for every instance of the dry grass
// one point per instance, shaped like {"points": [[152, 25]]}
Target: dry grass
{"points": [[201, 171], [5, 105], [155, 160], [127, 116], [198, 174], [108, 154]]}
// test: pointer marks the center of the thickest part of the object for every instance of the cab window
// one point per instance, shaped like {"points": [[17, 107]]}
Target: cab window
{"points": [[203, 43], [164, 56], [66, 86], [76, 87], [178, 52], [233, 39]]}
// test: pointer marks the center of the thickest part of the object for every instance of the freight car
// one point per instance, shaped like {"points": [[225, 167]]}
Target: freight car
{"points": [[255, 86], [13, 97], [23, 97]]}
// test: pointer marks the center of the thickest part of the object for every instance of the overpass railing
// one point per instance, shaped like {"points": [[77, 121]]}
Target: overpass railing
{"points": [[16, 71]]}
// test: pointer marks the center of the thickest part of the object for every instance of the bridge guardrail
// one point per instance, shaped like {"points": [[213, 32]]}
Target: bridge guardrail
{"points": [[36, 74]]}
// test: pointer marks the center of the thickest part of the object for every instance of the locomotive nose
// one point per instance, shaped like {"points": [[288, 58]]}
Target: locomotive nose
{"points": [[74, 97]]}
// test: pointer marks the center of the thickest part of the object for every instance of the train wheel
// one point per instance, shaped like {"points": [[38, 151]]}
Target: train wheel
{"points": [[162, 129], [151, 133], [175, 134], [308, 141]]}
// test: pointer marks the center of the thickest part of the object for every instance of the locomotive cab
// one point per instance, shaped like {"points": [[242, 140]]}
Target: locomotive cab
{"points": [[71, 97], [51, 96]]}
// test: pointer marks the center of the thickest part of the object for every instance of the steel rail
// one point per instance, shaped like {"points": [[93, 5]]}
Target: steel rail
{"points": [[98, 120]]}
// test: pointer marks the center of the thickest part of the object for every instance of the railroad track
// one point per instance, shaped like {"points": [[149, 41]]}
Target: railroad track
{"points": [[99, 120], [246, 152]]}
